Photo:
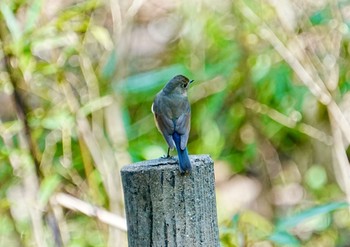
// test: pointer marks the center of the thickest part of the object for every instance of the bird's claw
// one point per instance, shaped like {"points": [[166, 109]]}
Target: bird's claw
{"points": [[167, 157]]}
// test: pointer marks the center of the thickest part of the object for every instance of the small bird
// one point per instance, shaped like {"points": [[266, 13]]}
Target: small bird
{"points": [[172, 115]]}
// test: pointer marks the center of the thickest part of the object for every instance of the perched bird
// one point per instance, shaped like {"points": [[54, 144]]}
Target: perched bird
{"points": [[172, 114]]}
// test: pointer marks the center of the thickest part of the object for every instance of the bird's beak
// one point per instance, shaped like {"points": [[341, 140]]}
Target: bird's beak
{"points": [[191, 81]]}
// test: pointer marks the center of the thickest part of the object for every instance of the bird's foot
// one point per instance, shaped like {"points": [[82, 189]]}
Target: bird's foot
{"points": [[167, 157], [185, 172]]}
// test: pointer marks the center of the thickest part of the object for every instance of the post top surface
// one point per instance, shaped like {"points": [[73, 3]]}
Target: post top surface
{"points": [[166, 163]]}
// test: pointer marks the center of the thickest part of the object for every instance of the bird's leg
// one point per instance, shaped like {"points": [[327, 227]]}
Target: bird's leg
{"points": [[168, 155]]}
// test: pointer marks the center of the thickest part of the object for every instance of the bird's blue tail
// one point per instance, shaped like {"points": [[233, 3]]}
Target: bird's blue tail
{"points": [[184, 161]]}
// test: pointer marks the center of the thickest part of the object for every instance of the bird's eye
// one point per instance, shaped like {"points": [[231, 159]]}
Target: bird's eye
{"points": [[184, 85]]}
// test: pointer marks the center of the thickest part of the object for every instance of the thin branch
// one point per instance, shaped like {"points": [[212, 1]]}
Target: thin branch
{"points": [[289, 121], [312, 81], [30, 181], [21, 108], [310, 76], [342, 170], [103, 215]]}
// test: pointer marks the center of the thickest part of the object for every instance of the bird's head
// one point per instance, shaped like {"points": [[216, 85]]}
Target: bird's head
{"points": [[179, 84]]}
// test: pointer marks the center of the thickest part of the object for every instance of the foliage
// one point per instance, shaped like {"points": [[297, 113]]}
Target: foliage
{"points": [[269, 102]]}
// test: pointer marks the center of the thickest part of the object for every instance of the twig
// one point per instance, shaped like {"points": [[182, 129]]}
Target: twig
{"points": [[21, 108], [30, 181], [342, 172], [103, 215], [311, 80], [289, 122]]}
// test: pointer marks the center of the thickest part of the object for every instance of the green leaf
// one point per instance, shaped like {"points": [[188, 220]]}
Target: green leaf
{"points": [[296, 219], [96, 105], [316, 177], [33, 14], [10, 20], [254, 226], [322, 16], [108, 69], [101, 34], [47, 188], [57, 120], [284, 238], [149, 80]]}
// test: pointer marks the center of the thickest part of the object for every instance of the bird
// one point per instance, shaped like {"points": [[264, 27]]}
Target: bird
{"points": [[172, 115]]}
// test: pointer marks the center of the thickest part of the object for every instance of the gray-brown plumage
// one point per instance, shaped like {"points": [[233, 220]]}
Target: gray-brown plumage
{"points": [[172, 114]]}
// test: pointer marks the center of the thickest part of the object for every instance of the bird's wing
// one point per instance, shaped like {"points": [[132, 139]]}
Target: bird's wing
{"points": [[183, 125], [164, 124]]}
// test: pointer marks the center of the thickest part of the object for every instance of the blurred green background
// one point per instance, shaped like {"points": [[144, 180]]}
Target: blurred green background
{"points": [[270, 104]]}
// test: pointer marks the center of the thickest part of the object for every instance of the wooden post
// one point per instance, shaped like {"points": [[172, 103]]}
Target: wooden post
{"points": [[164, 208]]}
